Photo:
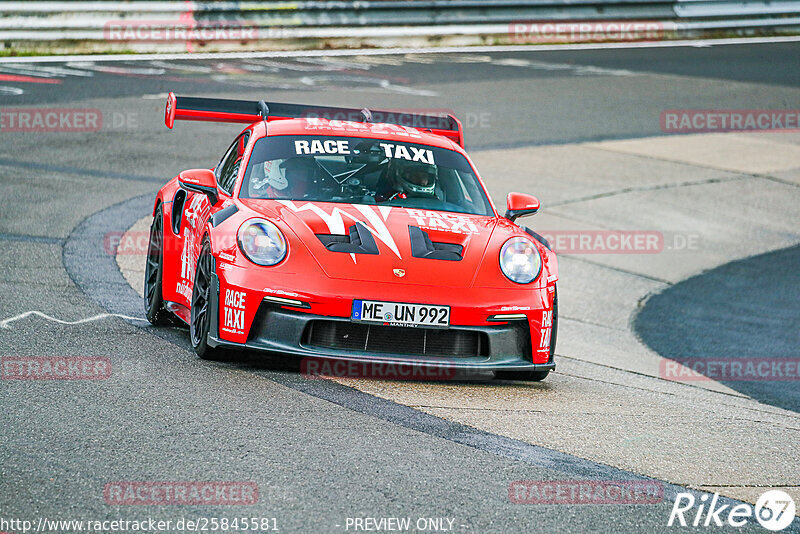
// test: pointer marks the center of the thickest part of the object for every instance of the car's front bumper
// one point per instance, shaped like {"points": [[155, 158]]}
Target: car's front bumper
{"points": [[281, 330]]}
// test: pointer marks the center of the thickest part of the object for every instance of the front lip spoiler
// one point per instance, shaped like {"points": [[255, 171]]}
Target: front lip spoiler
{"points": [[511, 365]]}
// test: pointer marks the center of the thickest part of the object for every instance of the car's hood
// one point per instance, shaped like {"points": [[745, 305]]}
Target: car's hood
{"points": [[389, 228]]}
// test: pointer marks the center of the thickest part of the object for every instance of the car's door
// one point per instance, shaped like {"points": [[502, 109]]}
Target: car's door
{"points": [[196, 211]]}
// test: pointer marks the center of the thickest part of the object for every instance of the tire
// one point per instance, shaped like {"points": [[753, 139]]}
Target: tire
{"points": [[536, 376], [154, 274], [200, 317]]}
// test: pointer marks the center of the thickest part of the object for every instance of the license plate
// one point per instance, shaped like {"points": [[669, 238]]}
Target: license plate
{"points": [[401, 314]]}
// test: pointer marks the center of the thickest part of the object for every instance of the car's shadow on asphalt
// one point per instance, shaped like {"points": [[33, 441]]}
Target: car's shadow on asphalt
{"points": [[254, 361], [292, 368]]}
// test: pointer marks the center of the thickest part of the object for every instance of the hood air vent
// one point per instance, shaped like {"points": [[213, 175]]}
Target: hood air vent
{"points": [[358, 241], [423, 247]]}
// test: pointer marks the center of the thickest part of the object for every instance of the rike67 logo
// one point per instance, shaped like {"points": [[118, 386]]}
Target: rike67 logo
{"points": [[774, 510]]}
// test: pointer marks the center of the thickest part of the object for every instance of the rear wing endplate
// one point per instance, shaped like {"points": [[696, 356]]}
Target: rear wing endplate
{"points": [[247, 112]]}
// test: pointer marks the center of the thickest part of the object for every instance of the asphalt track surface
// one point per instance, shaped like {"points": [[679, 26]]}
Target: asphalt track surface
{"points": [[744, 296], [320, 452]]}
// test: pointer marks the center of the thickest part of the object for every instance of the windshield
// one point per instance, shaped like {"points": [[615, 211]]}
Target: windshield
{"points": [[363, 171]]}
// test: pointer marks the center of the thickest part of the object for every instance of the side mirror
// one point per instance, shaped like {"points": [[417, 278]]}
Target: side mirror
{"points": [[520, 205], [200, 181]]}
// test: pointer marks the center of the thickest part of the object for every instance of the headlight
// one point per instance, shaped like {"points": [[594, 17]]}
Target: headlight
{"points": [[261, 242], [520, 260]]}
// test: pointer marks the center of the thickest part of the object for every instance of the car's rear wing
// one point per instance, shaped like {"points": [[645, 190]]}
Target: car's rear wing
{"points": [[247, 111]]}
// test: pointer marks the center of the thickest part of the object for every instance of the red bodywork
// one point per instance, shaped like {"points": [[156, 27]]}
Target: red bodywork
{"points": [[326, 282]]}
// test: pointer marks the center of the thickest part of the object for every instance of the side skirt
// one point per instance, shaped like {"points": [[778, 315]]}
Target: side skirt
{"points": [[181, 311]]}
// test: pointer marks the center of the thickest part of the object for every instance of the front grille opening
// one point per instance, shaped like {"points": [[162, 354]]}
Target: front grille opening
{"points": [[355, 337]]}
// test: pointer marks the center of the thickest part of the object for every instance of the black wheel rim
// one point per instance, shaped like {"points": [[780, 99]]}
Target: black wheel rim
{"points": [[153, 262], [200, 293]]}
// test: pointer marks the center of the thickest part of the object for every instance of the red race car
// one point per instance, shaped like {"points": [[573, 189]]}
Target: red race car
{"points": [[349, 234]]}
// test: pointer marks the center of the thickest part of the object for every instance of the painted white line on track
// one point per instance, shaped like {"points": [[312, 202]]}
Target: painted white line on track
{"points": [[182, 66], [10, 91], [696, 43], [6, 323], [25, 71], [108, 69], [45, 71]]}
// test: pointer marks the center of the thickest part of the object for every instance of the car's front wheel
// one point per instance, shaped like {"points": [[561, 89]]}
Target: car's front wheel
{"points": [[200, 316], [154, 273]]}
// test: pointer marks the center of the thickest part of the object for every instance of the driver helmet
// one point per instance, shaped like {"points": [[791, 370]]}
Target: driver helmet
{"points": [[415, 179], [284, 179]]}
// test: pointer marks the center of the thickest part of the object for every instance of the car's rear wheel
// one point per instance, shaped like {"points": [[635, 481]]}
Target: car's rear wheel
{"points": [[536, 376], [153, 275], [200, 316]]}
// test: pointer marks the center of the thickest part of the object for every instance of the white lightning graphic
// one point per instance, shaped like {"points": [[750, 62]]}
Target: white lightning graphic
{"points": [[335, 221]]}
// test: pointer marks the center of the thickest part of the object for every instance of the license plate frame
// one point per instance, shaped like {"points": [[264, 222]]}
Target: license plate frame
{"points": [[411, 315]]}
